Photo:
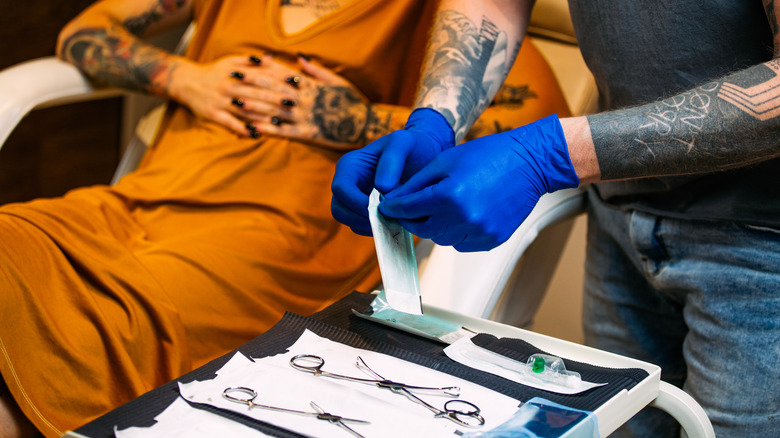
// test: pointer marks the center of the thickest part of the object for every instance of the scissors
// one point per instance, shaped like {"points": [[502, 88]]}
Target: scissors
{"points": [[244, 395], [461, 412]]}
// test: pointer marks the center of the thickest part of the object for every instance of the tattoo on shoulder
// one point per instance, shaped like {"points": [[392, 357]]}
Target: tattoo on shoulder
{"points": [[716, 126], [138, 25], [468, 63]]}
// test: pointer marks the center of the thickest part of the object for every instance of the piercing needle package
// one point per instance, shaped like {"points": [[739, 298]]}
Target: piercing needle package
{"points": [[395, 252], [541, 371]]}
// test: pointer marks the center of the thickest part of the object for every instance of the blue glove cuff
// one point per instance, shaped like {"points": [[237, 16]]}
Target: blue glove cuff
{"points": [[434, 124], [545, 137]]}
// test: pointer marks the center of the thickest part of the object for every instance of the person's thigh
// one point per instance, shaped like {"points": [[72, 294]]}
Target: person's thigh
{"points": [[700, 299], [623, 314], [732, 277]]}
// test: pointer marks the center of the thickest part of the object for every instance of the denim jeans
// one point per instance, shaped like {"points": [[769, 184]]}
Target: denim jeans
{"points": [[700, 299]]}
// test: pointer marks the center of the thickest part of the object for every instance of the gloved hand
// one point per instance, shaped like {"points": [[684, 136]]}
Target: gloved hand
{"points": [[474, 196], [385, 164]]}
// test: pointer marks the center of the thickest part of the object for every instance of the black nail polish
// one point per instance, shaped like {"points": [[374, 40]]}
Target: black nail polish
{"points": [[255, 60], [237, 101], [254, 134], [306, 57], [237, 74], [288, 102], [276, 121], [251, 127], [293, 80]]}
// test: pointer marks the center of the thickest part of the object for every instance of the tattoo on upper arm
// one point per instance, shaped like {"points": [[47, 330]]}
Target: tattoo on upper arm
{"points": [[111, 59], [716, 126], [139, 24], [466, 65]]}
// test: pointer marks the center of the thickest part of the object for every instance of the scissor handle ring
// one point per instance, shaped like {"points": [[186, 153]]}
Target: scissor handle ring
{"points": [[465, 412], [227, 393], [317, 363]]}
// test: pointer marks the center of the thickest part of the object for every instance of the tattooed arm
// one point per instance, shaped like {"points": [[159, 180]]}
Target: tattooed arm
{"points": [[471, 49], [331, 112], [730, 122], [105, 43]]}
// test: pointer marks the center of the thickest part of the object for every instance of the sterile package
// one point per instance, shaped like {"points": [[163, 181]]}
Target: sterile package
{"points": [[427, 326], [397, 264]]}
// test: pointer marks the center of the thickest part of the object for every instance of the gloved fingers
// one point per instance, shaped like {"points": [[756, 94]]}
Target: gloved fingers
{"points": [[356, 221], [470, 244], [418, 204], [351, 184], [396, 148]]}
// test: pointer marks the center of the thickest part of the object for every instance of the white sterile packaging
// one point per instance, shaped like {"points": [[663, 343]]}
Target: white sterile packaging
{"points": [[397, 264]]}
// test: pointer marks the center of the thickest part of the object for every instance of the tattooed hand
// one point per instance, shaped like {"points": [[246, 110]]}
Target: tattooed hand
{"points": [[325, 109], [234, 91]]}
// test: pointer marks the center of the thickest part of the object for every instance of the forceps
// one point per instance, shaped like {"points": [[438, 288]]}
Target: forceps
{"points": [[244, 395], [461, 412]]}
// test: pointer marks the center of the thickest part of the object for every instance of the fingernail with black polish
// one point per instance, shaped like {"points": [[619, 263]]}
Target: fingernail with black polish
{"points": [[293, 80], [288, 102], [276, 121], [255, 60], [237, 74], [306, 57], [254, 134], [237, 101], [250, 126]]}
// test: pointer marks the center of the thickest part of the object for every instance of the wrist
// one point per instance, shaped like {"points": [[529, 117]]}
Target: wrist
{"points": [[382, 119], [434, 124], [582, 152], [179, 71]]}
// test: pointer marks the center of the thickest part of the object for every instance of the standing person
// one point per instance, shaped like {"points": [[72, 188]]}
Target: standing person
{"points": [[683, 256], [108, 292]]}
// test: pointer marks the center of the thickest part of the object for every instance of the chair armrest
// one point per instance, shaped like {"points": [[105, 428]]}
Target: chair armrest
{"points": [[41, 82], [472, 283]]}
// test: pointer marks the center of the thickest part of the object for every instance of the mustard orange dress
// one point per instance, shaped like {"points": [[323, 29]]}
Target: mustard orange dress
{"points": [[111, 291]]}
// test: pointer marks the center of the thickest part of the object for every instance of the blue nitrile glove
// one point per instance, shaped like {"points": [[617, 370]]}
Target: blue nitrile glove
{"points": [[474, 196], [386, 163]]}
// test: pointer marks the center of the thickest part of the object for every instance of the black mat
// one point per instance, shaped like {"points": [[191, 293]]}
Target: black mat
{"points": [[338, 324]]}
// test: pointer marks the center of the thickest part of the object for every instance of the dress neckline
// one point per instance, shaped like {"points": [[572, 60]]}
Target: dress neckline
{"points": [[277, 33]]}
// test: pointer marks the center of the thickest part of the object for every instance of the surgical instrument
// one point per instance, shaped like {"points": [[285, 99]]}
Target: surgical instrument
{"points": [[244, 395], [461, 412]]}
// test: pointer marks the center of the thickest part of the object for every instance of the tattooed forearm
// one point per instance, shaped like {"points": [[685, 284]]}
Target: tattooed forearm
{"points": [[723, 124], [138, 25], [465, 66], [112, 57]]}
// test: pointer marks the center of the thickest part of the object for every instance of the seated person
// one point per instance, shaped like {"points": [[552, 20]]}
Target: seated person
{"points": [[111, 291]]}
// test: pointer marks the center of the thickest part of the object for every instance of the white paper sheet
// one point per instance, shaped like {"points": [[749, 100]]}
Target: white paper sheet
{"points": [[182, 420]]}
